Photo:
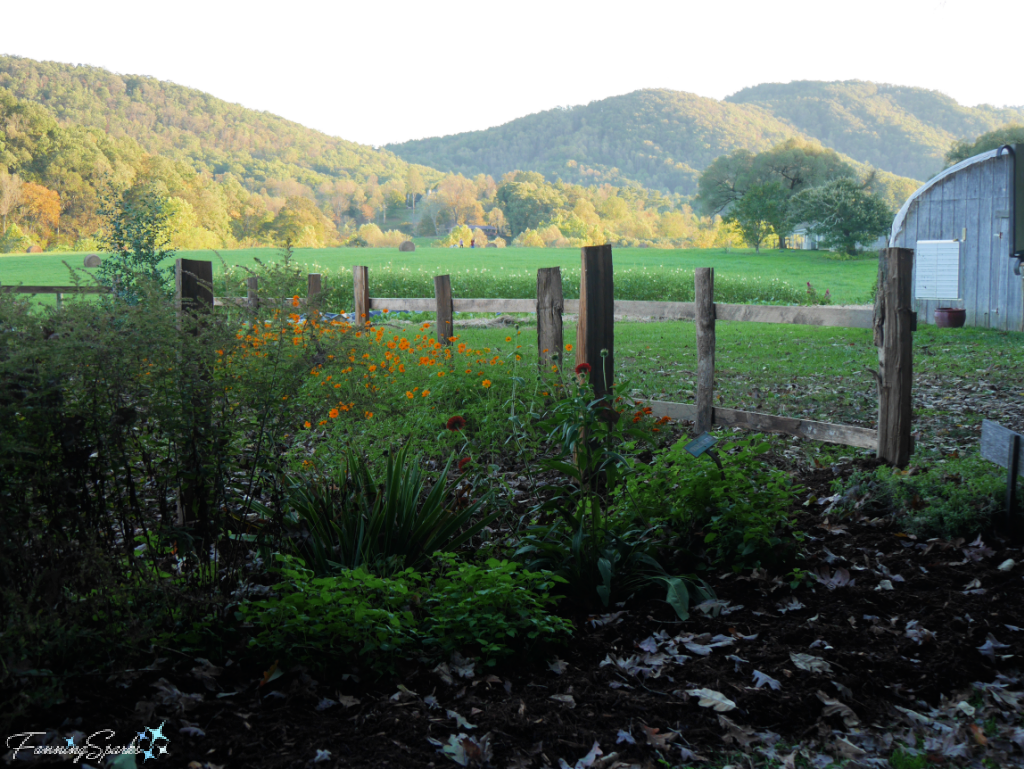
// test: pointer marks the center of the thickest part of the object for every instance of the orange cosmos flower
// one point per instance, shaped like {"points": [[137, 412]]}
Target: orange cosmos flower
{"points": [[307, 425], [568, 348], [369, 414], [425, 393], [333, 413], [486, 383]]}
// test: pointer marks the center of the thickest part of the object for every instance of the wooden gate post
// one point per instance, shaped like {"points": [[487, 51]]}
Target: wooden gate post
{"points": [[445, 308], [704, 298], [595, 330], [361, 290], [894, 323], [252, 294], [193, 284], [550, 304]]}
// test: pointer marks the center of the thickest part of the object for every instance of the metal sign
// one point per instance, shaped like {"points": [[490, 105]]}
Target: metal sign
{"points": [[700, 444]]}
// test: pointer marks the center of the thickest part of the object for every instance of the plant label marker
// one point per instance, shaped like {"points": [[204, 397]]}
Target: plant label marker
{"points": [[703, 444], [700, 444]]}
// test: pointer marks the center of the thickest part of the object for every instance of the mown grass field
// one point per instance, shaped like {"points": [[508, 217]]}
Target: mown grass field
{"points": [[849, 282]]}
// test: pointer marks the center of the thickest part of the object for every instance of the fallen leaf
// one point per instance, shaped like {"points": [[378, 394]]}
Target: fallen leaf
{"points": [[990, 647], [810, 663], [460, 722], [709, 698], [979, 735], [763, 679], [835, 707], [565, 699], [656, 738], [558, 666], [624, 736]]}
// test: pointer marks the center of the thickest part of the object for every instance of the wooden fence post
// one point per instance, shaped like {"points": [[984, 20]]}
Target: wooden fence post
{"points": [[704, 299], [595, 330], [252, 293], [361, 290], [312, 295], [895, 320], [550, 304], [193, 284], [445, 308], [312, 285]]}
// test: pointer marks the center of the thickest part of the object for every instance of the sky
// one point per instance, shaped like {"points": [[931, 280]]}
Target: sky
{"points": [[375, 72]]}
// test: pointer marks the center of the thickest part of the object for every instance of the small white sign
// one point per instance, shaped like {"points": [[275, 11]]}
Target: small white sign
{"points": [[937, 269]]}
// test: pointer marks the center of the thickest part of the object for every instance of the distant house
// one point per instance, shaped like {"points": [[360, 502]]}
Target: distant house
{"points": [[967, 251], [802, 238]]}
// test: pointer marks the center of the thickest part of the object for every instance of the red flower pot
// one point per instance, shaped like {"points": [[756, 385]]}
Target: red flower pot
{"points": [[950, 317]]}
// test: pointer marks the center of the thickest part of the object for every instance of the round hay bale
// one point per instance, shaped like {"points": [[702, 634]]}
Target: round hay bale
{"points": [[492, 245], [93, 261], [34, 250], [407, 245]]}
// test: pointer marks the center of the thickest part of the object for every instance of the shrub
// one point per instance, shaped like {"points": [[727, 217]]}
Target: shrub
{"points": [[493, 610], [738, 515], [957, 498]]}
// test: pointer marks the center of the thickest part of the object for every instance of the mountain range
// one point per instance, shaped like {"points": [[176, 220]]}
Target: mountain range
{"points": [[664, 139]]}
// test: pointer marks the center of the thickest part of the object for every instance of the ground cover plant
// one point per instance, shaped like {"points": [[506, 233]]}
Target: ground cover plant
{"points": [[418, 542]]}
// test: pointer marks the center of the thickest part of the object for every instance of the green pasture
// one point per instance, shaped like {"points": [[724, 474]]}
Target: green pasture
{"points": [[849, 282]]}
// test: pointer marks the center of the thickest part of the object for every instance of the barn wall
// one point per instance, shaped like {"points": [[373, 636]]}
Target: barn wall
{"points": [[975, 198]]}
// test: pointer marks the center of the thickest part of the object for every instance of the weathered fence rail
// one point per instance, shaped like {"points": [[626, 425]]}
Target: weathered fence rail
{"points": [[892, 320]]}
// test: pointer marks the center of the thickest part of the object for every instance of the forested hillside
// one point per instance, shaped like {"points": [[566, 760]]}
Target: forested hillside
{"points": [[233, 176], [907, 131], [660, 139], [664, 139]]}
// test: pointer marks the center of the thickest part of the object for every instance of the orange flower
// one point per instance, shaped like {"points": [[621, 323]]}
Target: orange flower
{"points": [[508, 339], [385, 310], [440, 373], [568, 348], [401, 368], [462, 347], [486, 383], [307, 425], [333, 413], [295, 301], [323, 421], [373, 368], [408, 394], [369, 414], [425, 393]]}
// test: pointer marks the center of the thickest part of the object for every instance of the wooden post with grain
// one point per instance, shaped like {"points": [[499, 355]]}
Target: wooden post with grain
{"points": [[252, 293], [595, 330], [894, 323], [550, 304], [704, 300], [193, 285], [361, 291], [445, 308]]}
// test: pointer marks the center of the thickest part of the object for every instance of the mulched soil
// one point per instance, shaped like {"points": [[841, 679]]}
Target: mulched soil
{"points": [[893, 641]]}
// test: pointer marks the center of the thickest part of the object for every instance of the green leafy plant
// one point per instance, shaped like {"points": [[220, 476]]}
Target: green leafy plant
{"points": [[957, 498], [491, 606], [138, 239], [738, 515], [490, 609], [351, 519]]}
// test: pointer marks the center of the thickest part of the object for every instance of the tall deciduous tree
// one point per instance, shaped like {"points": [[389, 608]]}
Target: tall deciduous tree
{"points": [[414, 185], [10, 195], [754, 212], [843, 214]]}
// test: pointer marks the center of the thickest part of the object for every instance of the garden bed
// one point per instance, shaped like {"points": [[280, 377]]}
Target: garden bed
{"points": [[909, 642]]}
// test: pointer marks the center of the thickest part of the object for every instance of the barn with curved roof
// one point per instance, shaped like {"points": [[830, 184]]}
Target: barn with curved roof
{"points": [[965, 226]]}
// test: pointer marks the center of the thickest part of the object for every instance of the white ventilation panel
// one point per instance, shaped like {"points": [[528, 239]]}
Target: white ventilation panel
{"points": [[937, 269]]}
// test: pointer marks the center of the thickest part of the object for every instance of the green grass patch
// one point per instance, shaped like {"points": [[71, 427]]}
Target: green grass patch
{"points": [[511, 272]]}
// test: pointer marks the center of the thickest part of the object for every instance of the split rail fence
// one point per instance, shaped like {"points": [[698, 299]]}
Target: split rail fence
{"points": [[892, 321]]}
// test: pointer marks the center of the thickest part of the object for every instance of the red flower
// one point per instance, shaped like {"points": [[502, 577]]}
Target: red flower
{"points": [[583, 368], [463, 462], [455, 423]]}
